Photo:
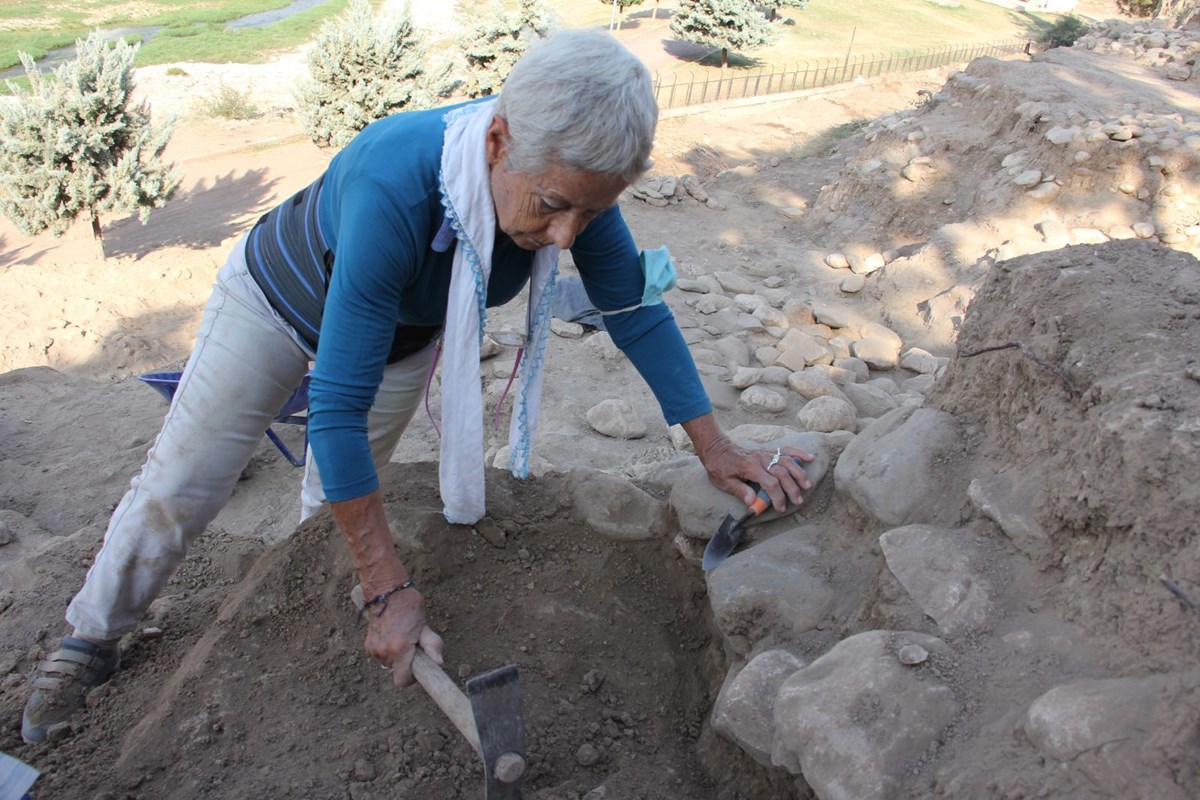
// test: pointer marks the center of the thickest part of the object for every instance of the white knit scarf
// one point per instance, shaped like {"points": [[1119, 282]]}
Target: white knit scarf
{"points": [[467, 197]]}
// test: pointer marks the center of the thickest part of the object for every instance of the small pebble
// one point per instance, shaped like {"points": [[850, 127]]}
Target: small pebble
{"points": [[587, 755], [913, 654]]}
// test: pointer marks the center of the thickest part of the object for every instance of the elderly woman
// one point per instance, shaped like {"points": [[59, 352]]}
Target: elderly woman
{"points": [[419, 225]]}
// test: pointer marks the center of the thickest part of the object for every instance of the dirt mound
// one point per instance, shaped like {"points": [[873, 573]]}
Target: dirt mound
{"points": [[271, 695], [1097, 405]]}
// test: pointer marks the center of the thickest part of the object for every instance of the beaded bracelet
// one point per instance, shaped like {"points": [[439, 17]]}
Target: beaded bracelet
{"points": [[381, 600]]}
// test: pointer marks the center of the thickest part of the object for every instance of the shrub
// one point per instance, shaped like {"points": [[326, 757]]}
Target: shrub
{"points": [[176, 72], [72, 145], [361, 73], [1064, 32], [1138, 8], [725, 24], [494, 44], [226, 102]]}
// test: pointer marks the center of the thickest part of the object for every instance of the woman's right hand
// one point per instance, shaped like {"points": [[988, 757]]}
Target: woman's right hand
{"points": [[395, 629]]}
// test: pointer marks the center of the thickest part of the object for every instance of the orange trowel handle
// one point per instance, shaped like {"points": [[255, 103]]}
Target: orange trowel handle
{"points": [[762, 501]]}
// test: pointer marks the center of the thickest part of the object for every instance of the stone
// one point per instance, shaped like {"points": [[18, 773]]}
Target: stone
{"points": [[854, 721], [691, 285], [1028, 178], [615, 508], [839, 260], [936, 567], [799, 312], [567, 330], [723, 322], [616, 418], [745, 709], [887, 469], [853, 284], [1014, 160], [711, 303], [680, 439], [1063, 135], [839, 346], [877, 352], [1054, 232], [1045, 192], [800, 349], [538, 466], [734, 351], [867, 265], [762, 399], [919, 360], [828, 413], [1088, 236], [912, 654], [1012, 502], [601, 345], [770, 317], [749, 324], [869, 401], [921, 384], [1121, 232], [587, 755], [748, 302], [812, 382], [884, 383], [833, 316], [692, 186], [735, 283], [1143, 230], [855, 366], [1109, 714], [770, 592], [766, 355], [745, 377], [775, 376]]}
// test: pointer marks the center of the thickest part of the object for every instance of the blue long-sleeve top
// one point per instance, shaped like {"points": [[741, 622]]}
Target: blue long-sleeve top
{"points": [[379, 211]]}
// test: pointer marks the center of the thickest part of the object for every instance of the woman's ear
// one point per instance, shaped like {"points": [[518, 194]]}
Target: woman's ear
{"points": [[497, 140]]}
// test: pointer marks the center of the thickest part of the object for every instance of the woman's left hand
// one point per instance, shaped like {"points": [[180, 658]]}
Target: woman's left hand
{"points": [[729, 465]]}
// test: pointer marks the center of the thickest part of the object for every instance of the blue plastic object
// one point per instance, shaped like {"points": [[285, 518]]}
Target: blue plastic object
{"points": [[165, 383]]}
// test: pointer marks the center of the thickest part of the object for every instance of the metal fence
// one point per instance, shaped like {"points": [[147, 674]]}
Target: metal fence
{"points": [[676, 91]]}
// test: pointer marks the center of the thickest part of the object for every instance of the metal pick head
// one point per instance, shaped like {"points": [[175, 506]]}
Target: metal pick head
{"points": [[509, 338], [496, 703]]}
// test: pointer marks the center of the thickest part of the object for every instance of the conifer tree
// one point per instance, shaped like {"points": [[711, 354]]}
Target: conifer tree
{"points": [[728, 24], [362, 72], [621, 5], [775, 5], [72, 144], [493, 45]]}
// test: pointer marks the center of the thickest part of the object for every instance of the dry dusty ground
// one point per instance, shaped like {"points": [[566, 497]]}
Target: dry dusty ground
{"points": [[248, 679]]}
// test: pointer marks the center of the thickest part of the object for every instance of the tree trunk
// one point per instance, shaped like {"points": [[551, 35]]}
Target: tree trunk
{"points": [[772, 17], [724, 57], [98, 236]]}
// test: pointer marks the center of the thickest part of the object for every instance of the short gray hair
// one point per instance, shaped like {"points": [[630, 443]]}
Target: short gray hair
{"points": [[582, 100]]}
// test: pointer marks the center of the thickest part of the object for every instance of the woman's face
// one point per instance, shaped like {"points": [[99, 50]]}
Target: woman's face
{"points": [[551, 207]]}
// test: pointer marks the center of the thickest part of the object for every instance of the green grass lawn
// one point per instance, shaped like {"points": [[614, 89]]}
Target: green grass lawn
{"points": [[194, 29]]}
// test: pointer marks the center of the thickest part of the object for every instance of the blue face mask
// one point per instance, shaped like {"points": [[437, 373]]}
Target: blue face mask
{"points": [[659, 273]]}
